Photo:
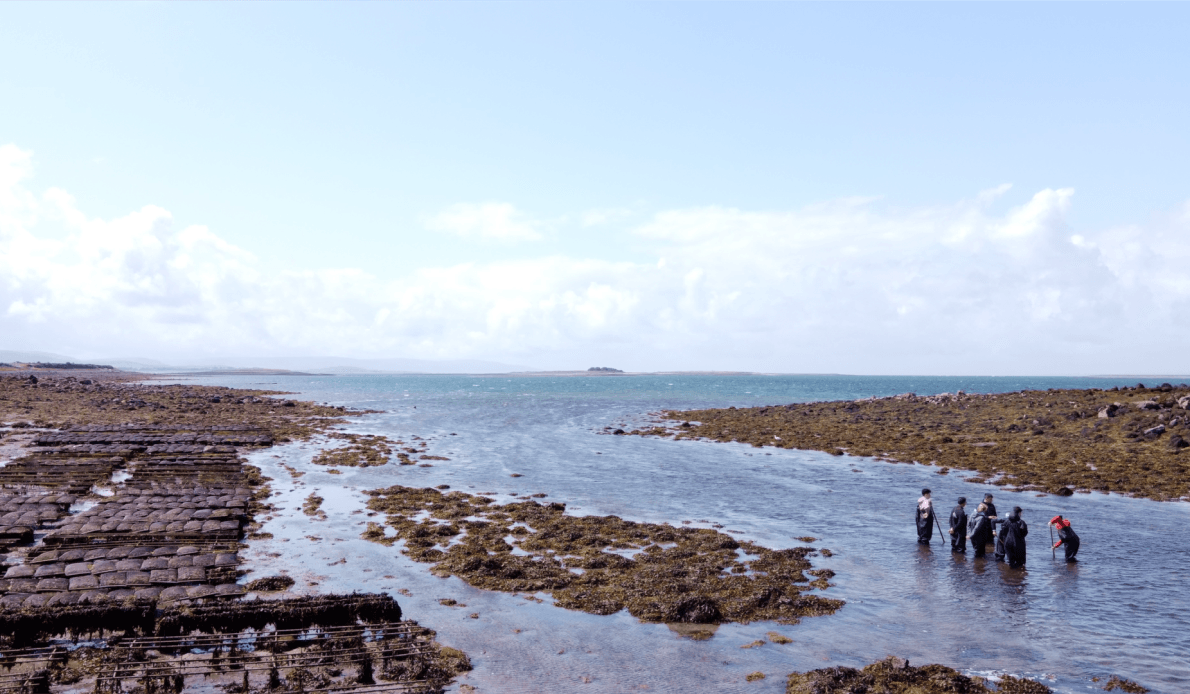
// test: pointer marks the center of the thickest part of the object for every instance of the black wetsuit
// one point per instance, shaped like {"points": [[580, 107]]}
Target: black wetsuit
{"points": [[998, 536], [981, 534], [958, 530], [994, 536], [1013, 533], [925, 524], [1069, 541]]}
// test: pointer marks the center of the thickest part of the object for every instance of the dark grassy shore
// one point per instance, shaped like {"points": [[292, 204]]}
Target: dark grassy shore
{"points": [[125, 506], [1130, 440]]}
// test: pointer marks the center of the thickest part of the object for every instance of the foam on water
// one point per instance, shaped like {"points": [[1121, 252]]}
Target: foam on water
{"points": [[1121, 610]]}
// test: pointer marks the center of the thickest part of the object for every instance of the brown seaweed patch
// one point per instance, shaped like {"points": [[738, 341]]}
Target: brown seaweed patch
{"points": [[1117, 682], [694, 632], [270, 584], [896, 675], [363, 450], [599, 564], [313, 506]]}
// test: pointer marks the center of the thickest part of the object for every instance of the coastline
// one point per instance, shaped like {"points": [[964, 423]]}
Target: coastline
{"points": [[128, 509], [1129, 440], [359, 450]]}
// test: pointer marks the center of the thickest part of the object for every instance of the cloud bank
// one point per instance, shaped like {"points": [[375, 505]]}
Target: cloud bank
{"points": [[845, 286]]}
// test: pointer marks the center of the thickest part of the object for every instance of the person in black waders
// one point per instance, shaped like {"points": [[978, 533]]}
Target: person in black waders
{"points": [[979, 528], [1066, 536], [925, 518], [991, 508], [958, 527], [1012, 536]]}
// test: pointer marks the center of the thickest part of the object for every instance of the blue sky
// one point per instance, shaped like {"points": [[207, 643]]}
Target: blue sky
{"points": [[550, 147]]}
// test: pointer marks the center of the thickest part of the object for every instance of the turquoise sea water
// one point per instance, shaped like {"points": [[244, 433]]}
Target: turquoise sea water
{"points": [[1121, 610]]}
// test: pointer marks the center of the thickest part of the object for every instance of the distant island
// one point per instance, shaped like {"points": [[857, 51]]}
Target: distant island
{"points": [[605, 369], [57, 367]]}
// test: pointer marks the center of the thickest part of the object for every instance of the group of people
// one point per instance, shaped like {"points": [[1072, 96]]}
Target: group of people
{"points": [[1007, 535]]}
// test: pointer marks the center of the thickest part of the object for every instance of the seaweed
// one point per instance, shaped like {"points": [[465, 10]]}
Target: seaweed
{"points": [[313, 506], [270, 584], [362, 451], [1131, 440], [1124, 685], [674, 574], [896, 675]]}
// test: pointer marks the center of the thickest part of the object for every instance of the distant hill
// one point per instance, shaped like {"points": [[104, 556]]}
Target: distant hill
{"points": [[11, 356]]}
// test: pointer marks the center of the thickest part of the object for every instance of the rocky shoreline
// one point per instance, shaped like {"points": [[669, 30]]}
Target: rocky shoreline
{"points": [[125, 506], [1130, 440]]}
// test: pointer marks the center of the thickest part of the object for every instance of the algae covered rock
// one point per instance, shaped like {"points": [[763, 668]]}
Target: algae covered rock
{"points": [[600, 564], [896, 676], [1126, 440]]}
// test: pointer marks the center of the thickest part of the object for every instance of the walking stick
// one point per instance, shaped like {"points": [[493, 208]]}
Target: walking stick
{"points": [[939, 528], [1053, 549]]}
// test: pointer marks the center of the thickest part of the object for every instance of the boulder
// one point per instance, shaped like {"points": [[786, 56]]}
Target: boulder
{"points": [[1155, 431]]}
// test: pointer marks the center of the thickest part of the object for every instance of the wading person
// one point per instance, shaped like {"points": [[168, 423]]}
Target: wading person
{"points": [[925, 518], [980, 530], [958, 526], [1067, 539], [987, 501], [1012, 535]]}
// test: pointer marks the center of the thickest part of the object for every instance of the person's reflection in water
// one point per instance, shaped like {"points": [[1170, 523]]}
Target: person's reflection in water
{"points": [[1015, 584], [1066, 582], [925, 574]]}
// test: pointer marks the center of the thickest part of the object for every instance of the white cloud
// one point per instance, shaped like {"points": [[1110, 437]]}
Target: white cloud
{"points": [[841, 286], [498, 221], [599, 217]]}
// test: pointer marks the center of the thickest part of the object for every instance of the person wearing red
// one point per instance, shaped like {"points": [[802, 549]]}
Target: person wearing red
{"points": [[1066, 537]]}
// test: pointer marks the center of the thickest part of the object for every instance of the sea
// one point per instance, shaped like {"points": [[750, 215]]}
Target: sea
{"points": [[1123, 609]]}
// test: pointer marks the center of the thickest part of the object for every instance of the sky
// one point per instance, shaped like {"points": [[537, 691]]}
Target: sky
{"points": [[890, 188]]}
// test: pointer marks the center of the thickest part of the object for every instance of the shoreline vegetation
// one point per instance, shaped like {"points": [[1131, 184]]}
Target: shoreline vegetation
{"points": [[125, 506], [1129, 440]]}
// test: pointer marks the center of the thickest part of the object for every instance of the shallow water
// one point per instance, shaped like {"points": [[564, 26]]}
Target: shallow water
{"points": [[1121, 610]]}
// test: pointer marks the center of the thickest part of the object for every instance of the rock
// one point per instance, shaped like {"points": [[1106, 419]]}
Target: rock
{"points": [[1147, 405], [1155, 431], [1176, 442], [1109, 411], [1184, 402]]}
